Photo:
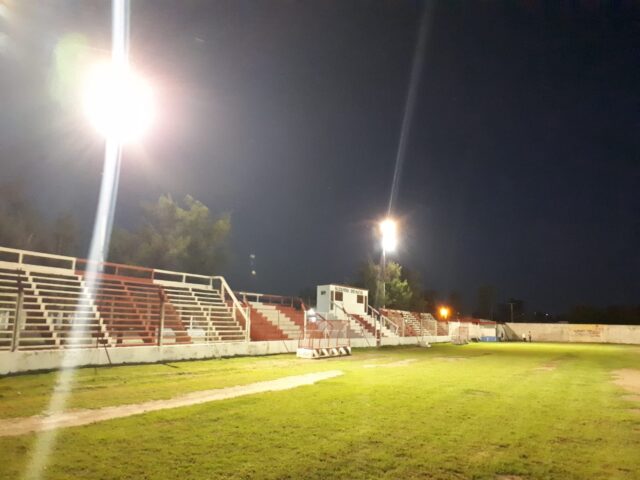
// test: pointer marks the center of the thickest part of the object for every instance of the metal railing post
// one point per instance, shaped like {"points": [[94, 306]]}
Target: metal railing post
{"points": [[15, 338], [235, 317], [161, 326], [304, 324], [247, 333]]}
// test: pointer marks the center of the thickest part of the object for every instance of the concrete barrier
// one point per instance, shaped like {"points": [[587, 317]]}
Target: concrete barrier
{"points": [[35, 360], [578, 333]]}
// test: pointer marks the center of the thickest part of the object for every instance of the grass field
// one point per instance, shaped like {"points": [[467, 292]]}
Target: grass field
{"points": [[481, 411]]}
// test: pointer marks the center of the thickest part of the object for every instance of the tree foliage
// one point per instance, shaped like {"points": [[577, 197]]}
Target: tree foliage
{"points": [[174, 235], [397, 292], [22, 225]]}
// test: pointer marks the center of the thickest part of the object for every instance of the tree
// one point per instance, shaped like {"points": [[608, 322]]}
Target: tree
{"points": [[418, 302], [21, 224], [397, 292], [64, 235], [175, 236]]}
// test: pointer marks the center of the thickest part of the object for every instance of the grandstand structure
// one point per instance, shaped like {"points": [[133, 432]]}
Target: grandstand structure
{"points": [[57, 303], [48, 302], [274, 317], [415, 324]]}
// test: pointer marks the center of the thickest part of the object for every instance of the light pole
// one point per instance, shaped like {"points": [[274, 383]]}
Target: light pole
{"points": [[119, 104], [389, 235]]}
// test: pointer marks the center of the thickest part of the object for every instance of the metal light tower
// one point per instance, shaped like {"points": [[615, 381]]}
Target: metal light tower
{"points": [[389, 235]]}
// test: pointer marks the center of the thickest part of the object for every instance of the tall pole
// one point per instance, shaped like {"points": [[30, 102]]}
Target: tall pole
{"points": [[384, 294], [384, 275]]}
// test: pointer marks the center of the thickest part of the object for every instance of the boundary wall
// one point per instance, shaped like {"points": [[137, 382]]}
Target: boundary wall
{"points": [[572, 332], [21, 361]]}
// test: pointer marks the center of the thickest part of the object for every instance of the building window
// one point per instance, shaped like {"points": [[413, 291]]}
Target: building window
{"points": [[360, 299], [338, 297]]}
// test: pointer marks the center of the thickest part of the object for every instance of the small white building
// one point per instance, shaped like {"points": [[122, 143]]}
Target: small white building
{"points": [[334, 300]]}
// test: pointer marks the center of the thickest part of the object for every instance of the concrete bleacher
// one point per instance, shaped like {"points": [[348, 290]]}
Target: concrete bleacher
{"points": [[274, 317], [36, 332], [416, 324], [207, 317], [279, 318], [52, 302], [55, 311], [131, 311], [68, 311]]}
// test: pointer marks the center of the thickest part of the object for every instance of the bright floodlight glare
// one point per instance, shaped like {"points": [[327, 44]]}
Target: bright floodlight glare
{"points": [[389, 231], [118, 102], [444, 312]]}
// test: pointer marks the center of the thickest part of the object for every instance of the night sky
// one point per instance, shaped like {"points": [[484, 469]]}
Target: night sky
{"points": [[522, 167]]}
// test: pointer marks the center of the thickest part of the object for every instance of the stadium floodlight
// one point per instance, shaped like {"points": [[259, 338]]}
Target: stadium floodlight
{"points": [[118, 102], [389, 242], [444, 312], [389, 232]]}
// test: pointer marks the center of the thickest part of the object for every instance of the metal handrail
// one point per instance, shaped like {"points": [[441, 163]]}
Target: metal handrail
{"points": [[350, 316], [237, 306], [384, 319], [21, 254], [270, 298]]}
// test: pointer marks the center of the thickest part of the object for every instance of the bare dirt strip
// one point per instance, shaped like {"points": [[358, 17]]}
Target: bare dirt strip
{"points": [[629, 379], [73, 418], [400, 363]]}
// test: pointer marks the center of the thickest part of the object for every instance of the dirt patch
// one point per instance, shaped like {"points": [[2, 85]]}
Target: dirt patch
{"points": [[478, 393], [452, 359], [509, 477], [632, 398], [400, 363], [629, 379], [73, 418], [545, 368]]}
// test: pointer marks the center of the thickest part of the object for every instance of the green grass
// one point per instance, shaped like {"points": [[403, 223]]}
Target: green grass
{"points": [[477, 411]]}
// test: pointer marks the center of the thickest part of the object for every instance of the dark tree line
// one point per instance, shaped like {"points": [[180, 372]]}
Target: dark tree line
{"points": [[22, 226], [173, 235]]}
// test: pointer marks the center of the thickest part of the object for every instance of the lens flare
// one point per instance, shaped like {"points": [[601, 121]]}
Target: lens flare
{"points": [[118, 102], [389, 231]]}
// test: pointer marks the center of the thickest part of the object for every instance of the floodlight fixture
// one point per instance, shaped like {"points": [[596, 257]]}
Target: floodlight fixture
{"points": [[118, 102], [389, 232]]}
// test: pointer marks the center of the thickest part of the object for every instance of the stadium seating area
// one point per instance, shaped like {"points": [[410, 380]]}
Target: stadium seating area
{"points": [[416, 324], [274, 317], [59, 303]]}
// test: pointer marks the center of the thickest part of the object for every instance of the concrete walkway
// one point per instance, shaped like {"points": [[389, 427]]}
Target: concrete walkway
{"points": [[73, 418]]}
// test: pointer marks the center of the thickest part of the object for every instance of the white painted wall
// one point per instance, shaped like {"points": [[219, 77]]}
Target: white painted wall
{"points": [[349, 300], [28, 361], [581, 333], [488, 330]]}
